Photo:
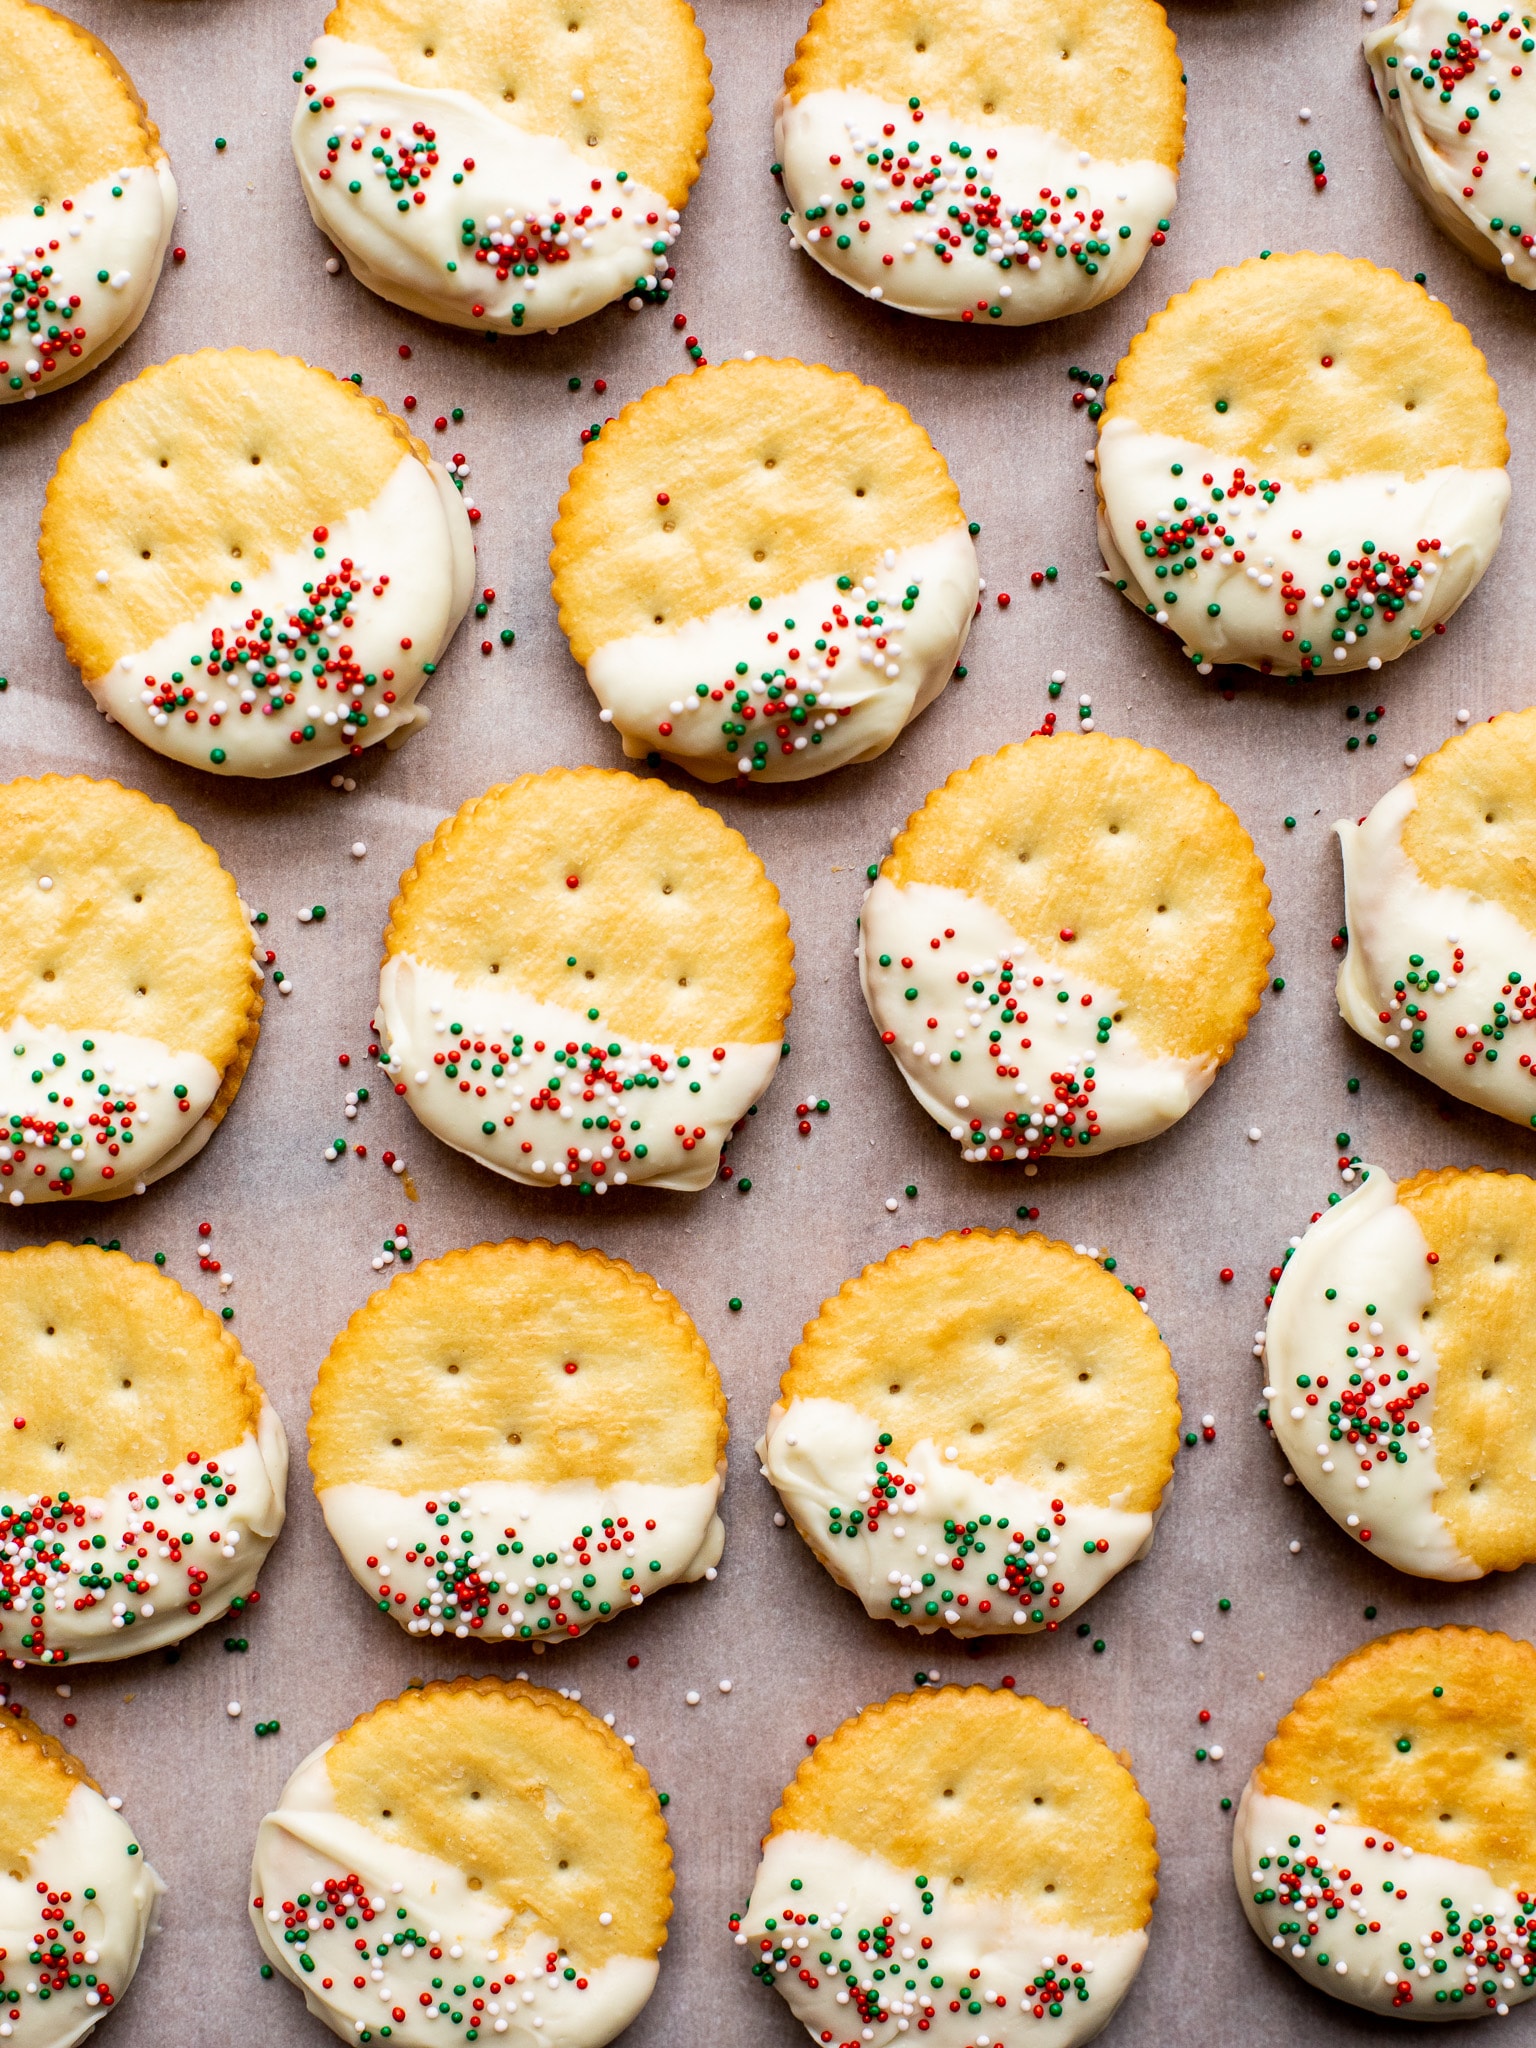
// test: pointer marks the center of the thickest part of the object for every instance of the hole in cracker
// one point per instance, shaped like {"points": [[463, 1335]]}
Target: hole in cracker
{"points": [[590, 975], [657, 620], [427, 50], [1061, 1464], [1161, 908], [682, 981], [138, 895], [1498, 1258], [978, 1429], [1113, 829], [1303, 447], [59, 1445], [1051, 1887], [758, 555], [770, 462], [144, 554], [475, 1883], [495, 967], [895, 1387], [1085, 1375], [563, 1865], [989, 108], [669, 526], [1001, 1337], [165, 462], [920, 48], [507, 93], [48, 1331], [949, 1791], [1039, 1799], [1488, 820], [1410, 405], [1445, 1818], [514, 1438], [1509, 1756], [385, 1813], [47, 974], [859, 492], [235, 552], [453, 1368], [141, 990], [255, 459], [397, 1441], [666, 888], [474, 1795], [127, 1383]]}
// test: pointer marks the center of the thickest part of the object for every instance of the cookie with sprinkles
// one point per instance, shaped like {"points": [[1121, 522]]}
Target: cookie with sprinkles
{"points": [[507, 1859], [1440, 918], [503, 167], [87, 202], [976, 1433], [254, 567], [1395, 1311], [129, 992], [983, 1850], [77, 1896], [142, 1482], [1064, 946], [567, 948], [1385, 1845], [514, 1443], [1461, 125], [1014, 166], [764, 570], [1301, 466]]}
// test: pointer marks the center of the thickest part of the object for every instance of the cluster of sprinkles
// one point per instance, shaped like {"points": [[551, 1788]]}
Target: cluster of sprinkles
{"points": [[1090, 391], [54, 1557], [948, 204], [277, 656], [885, 1971], [1369, 585], [80, 1128], [518, 244], [1419, 987], [364, 1944], [1469, 1950], [960, 1572], [34, 303], [61, 1952], [463, 1587], [795, 686]]}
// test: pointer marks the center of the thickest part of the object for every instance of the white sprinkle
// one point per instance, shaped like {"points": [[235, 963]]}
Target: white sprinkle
{"points": [[1254, 1134], [1294, 1547], [1058, 675], [233, 1710], [1197, 1635], [102, 576], [45, 883], [891, 1202], [333, 264], [1410, 760], [725, 1685], [1304, 114], [778, 1518], [359, 848], [691, 1699], [1462, 717], [577, 95]]}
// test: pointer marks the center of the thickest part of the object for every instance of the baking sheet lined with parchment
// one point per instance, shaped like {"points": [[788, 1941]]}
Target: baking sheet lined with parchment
{"points": [[300, 1234]]}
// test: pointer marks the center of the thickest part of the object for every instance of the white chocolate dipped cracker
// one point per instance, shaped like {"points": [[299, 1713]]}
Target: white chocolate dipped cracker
{"points": [[976, 1433], [1458, 99], [504, 1855], [1397, 1349], [585, 983], [1440, 914], [254, 567], [1301, 467], [1009, 165], [1063, 947], [77, 1897], [87, 202], [516, 1442], [765, 571], [953, 1866], [1385, 1845], [501, 167], [129, 994]]}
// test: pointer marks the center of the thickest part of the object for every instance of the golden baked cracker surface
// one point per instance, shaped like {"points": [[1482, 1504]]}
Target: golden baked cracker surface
{"points": [[1026, 1355], [1102, 74], [69, 113], [1482, 1324], [992, 1789], [638, 64], [141, 930], [1466, 1785], [190, 478], [1473, 824], [775, 473], [676, 930], [457, 1372], [530, 1795], [1405, 388], [1132, 854], [37, 1776]]}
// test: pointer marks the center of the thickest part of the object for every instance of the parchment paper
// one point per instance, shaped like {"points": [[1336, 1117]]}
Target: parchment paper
{"points": [[299, 1234]]}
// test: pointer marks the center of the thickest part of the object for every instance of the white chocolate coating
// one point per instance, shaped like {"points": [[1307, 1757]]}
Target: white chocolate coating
{"points": [[1436, 75], [604, 245], [1461, 1021], [1278, 598], [1032, 1562], [1367, 1456], [1385, 1895], [411, 553], [121, 225], [1005, 247], [410, 1902], [536, 1134], [150, 1120], [548, 1562], [999, 1101], [87, 1849], [146, 1584], [1028, 1962], [889, 644]]}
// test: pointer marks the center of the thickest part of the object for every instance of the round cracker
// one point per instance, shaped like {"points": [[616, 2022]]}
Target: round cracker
{"points": [[1025, 1352], [458, 1371], [527, 63], [1128, 850], [1473, 822], [678, 933], [1014, 1798], [69, 112], [197, 473], [117, 1369], [38, 1776], [1464, 1788], [526, 1792], [1482, 1324], [773, 473], [1104, 74], [1407, 390], [141, 930]]}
